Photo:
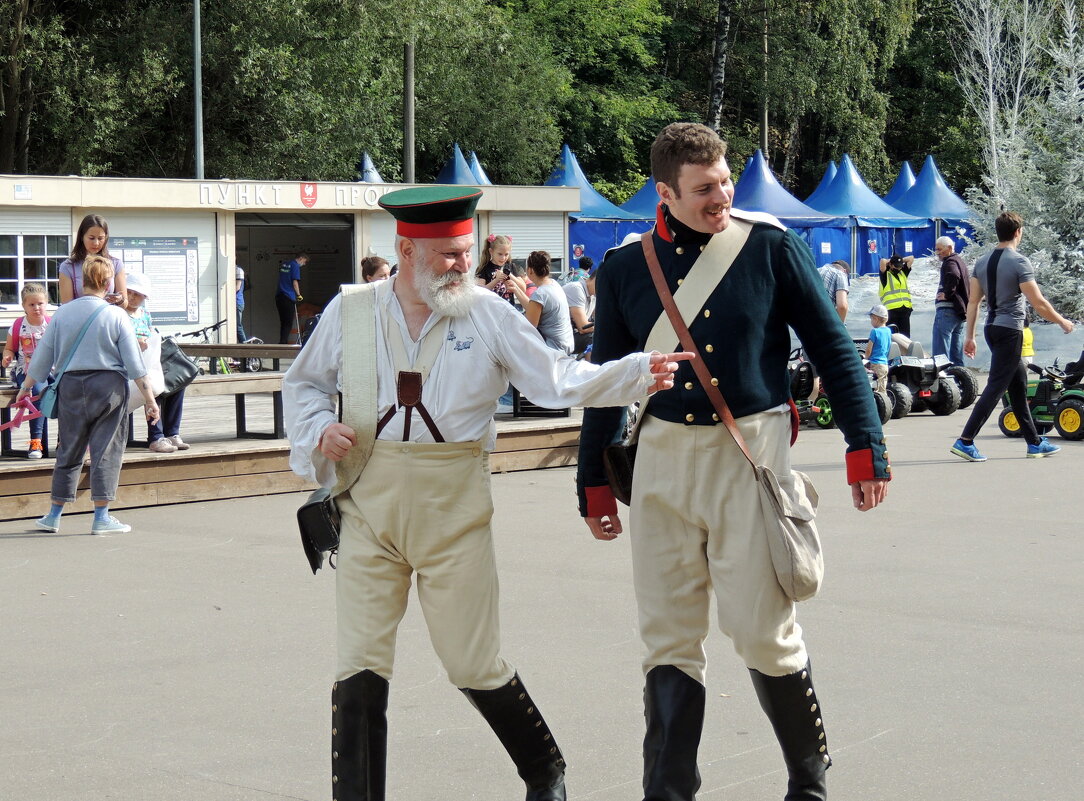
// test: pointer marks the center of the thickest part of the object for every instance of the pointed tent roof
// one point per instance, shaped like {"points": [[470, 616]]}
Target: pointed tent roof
{"points": [[644, 202], [593, 206], [368, 172], [848, 195], [931, 197], [476, 169], [456, 170], [758, 190], [904, 181], [829, 176]]}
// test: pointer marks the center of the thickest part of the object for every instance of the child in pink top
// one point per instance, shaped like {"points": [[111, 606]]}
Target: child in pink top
{"points": [[22, 339]]}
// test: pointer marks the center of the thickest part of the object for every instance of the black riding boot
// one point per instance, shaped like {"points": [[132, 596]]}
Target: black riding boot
{"points": [[359, 737], [674, 709], [792, 707], [519, 726]]}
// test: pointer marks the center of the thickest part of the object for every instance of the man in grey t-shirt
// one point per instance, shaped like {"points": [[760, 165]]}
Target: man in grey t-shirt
{"points": [[1005, 278]]}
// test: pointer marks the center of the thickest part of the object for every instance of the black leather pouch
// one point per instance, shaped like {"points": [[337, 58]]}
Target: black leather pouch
{"points": [[318, 520], [618, 462]]}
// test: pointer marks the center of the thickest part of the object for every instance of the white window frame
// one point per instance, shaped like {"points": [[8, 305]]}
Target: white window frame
{"points": [[20, 258]]}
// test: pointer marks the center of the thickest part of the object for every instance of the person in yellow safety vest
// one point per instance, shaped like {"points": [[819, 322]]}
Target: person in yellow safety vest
{"points": [[1027, 349], [895, 295]]}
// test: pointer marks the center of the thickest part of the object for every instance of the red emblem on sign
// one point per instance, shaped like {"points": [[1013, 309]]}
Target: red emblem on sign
{"points": [[308, 195]]}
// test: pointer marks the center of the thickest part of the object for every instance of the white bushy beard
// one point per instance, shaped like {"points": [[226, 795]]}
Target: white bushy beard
{"points": [[448, 295]]}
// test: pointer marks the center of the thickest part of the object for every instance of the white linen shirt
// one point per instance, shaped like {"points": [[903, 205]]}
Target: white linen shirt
{"points": [[483, 351]]}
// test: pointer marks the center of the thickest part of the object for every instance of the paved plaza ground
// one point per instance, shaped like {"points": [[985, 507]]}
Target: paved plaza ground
{"points": [[192, 659]]}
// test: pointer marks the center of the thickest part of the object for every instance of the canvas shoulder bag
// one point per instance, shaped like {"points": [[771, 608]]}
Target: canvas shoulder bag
{"points": [[318, 518], [788, 504]]}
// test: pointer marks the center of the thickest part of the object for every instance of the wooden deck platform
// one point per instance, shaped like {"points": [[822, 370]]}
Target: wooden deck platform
{"points": [[219, 465]]}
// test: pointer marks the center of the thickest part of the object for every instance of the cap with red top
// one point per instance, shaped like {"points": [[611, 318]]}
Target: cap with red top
{"points": [[432, 212]]}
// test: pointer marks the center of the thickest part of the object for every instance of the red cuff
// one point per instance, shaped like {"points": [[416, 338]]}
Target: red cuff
{"points": [[795, 421], [860, 466], [600, 501]]}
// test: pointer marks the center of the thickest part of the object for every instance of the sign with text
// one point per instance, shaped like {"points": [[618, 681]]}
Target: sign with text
{"points": [[172, 265]]}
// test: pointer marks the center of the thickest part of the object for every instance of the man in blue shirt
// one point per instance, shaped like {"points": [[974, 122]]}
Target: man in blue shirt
{"points": [[288, 294], [240, 276]]}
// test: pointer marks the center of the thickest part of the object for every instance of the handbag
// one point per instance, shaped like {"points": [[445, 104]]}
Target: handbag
{"points": [[178, 369], [618, 461], [318, 519], [788, 504], [47, 403]]}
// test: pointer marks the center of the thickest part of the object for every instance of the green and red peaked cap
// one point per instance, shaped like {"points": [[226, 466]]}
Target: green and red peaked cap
{"points": [[432, 212]]}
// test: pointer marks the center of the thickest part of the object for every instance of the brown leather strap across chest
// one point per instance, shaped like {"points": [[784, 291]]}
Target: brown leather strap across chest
{"points": [[408, 391]]}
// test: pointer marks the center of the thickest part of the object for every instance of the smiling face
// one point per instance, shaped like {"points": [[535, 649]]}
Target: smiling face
{"points": [[702, 197], [441, 273], [500, 255], [94, 239]]}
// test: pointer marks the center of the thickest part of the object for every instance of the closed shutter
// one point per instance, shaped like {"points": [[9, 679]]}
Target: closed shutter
{"points": [[55, 222], [529, 230]]}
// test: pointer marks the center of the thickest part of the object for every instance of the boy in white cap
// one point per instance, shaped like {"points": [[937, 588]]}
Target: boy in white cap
{"points": [[880, 339]]}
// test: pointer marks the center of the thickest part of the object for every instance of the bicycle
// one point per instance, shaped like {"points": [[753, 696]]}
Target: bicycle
{"points": [[216, 364]]}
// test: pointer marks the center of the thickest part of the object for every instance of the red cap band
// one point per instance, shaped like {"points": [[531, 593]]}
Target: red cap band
{"points": [[437, 230]]}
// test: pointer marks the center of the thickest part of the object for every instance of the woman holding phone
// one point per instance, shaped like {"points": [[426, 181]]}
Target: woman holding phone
{"points": [[92, 239]]}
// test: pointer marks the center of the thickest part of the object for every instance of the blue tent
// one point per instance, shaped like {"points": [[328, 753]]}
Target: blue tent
{"points": [[931, 197], [456, 170], [904, 181], [758, 190], [368, 172], [644, 203], [872, 224], [829, 176], [599, 224], [476, 169]]}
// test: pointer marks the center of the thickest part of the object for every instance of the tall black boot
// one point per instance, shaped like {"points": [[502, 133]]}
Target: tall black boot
{"points": [[674, 709], [795, 713], [519, 726], [359, 737]]}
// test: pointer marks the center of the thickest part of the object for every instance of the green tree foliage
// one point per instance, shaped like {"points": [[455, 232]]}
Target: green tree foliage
{"points": [[297, 89], [927, 114]]}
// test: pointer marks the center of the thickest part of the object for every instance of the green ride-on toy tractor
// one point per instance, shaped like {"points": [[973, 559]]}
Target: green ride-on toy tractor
{"points": [[1056, 400]]}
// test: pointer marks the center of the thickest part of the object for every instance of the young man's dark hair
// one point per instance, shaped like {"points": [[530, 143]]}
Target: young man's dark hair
{"points": [[1007, 224], [683, 143]]}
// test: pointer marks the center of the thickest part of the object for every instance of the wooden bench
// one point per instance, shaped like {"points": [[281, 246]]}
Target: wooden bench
{"points": [[214, 351], [239, 385]]}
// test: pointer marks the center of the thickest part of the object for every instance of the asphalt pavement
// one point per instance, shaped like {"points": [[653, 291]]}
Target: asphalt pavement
{"points": [[192, 659]]}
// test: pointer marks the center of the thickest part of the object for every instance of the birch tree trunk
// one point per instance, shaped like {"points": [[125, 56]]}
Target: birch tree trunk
{"points": [[718, 65]]}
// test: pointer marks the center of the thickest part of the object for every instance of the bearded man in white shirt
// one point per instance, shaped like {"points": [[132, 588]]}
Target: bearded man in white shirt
{"points": [[446, 349]]}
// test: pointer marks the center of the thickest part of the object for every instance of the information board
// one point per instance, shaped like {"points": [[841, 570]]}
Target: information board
{"points": [[172, 265]]}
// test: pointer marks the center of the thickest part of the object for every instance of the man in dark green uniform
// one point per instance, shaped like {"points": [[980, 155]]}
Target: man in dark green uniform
{"points": [[695, 514]]}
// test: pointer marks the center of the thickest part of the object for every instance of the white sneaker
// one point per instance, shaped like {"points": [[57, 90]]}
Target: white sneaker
{"points": [[505, 408], [178, 443], [162, 446]]}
